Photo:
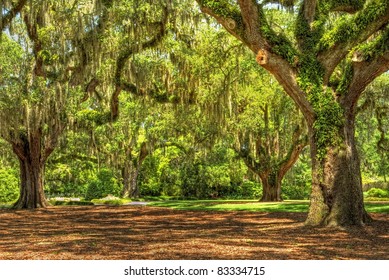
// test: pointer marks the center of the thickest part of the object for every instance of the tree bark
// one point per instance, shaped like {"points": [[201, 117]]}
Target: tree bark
{"points": [[271, 185], [130, 175], [337, 198], [31, 188], [29, 153], [130, 171]]}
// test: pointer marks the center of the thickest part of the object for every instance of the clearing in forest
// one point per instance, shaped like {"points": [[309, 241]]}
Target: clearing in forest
{"points": [[144, 232]]}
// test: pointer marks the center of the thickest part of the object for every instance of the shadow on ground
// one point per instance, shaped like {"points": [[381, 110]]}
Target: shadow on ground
{"points": [[138, 232]]}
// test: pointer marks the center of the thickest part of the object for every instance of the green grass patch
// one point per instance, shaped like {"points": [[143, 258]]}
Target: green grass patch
{"points": [[234, 205], [377, 207], [253, 205], [117, 202]]}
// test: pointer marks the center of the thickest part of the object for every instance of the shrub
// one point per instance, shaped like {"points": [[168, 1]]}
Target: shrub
{"points": [[295, 192], [105, 184], [70, 202], [251, 189], [9, 188], [375, 192], [151, 187]]}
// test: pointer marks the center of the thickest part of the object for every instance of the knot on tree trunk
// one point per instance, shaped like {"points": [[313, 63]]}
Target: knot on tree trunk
{"points": [[230, 23], [262, 57]]}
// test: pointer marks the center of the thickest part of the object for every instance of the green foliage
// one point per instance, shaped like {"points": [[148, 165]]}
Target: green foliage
{"points": [[297, 182], [372, 132], [69, 179], [348, 28], [105, 184], [110, 200], [329, 114], [247, 190], [11, 55], [354, 4], [9, 189], [89, 117], [69, 202], [223, 8], [374, 192], [373, 49]]}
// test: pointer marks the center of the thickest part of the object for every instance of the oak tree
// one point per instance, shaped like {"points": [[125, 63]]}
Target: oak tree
{"points": [[338, 48], [56, 50]]}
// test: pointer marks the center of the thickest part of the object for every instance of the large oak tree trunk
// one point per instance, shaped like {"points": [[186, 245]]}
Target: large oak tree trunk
{"points": [[31, 187], [337, 198], [32, 161]]}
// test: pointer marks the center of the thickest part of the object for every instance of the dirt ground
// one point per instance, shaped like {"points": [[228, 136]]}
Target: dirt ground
{"points": [[138, 232]]}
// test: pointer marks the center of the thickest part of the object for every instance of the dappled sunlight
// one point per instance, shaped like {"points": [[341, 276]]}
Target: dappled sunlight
{"points": [[129, 232]]}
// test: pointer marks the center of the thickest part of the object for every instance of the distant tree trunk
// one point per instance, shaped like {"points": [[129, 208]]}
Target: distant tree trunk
{"points": [[32, 158], [271, 184], [130, 172], [271, 174], [130, 175]]}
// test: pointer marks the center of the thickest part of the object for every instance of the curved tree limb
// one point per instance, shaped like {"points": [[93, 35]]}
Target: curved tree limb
{"points": [[364, 73], [125, 54], [310, 10], [350, 6], [336, 44], [255, 32]]}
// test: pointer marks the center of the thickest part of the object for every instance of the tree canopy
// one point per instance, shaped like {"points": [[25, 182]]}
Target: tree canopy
{"points": [[336, 50]]}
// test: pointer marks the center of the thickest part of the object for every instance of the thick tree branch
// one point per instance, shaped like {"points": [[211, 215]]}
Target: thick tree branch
{"points": [[255, 32], [254, 21], [37, 46], [364, 73], [286, 76], [350, 6], [123, 58], [310, 10], [336, 44], [228, 21]]}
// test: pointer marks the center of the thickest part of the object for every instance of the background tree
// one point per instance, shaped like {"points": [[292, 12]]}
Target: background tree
{"points": [[61, 48], [338, 49], [32, 114], [271, 141], [231, 91], [372, 132]]}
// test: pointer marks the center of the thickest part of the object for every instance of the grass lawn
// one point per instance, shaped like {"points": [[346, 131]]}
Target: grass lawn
{"points": [[253, 205]]}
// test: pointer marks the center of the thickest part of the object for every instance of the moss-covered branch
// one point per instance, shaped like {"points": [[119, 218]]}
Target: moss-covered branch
{"points": [[226, 14], [349, 31], [348, 6], [126, 53], [364, 73]]}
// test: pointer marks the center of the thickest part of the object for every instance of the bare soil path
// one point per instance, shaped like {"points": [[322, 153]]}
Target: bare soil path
{"points": [[137, 232]]}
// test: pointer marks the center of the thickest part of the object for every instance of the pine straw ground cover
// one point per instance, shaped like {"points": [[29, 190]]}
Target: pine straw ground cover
{"points": [[134, 232]]}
